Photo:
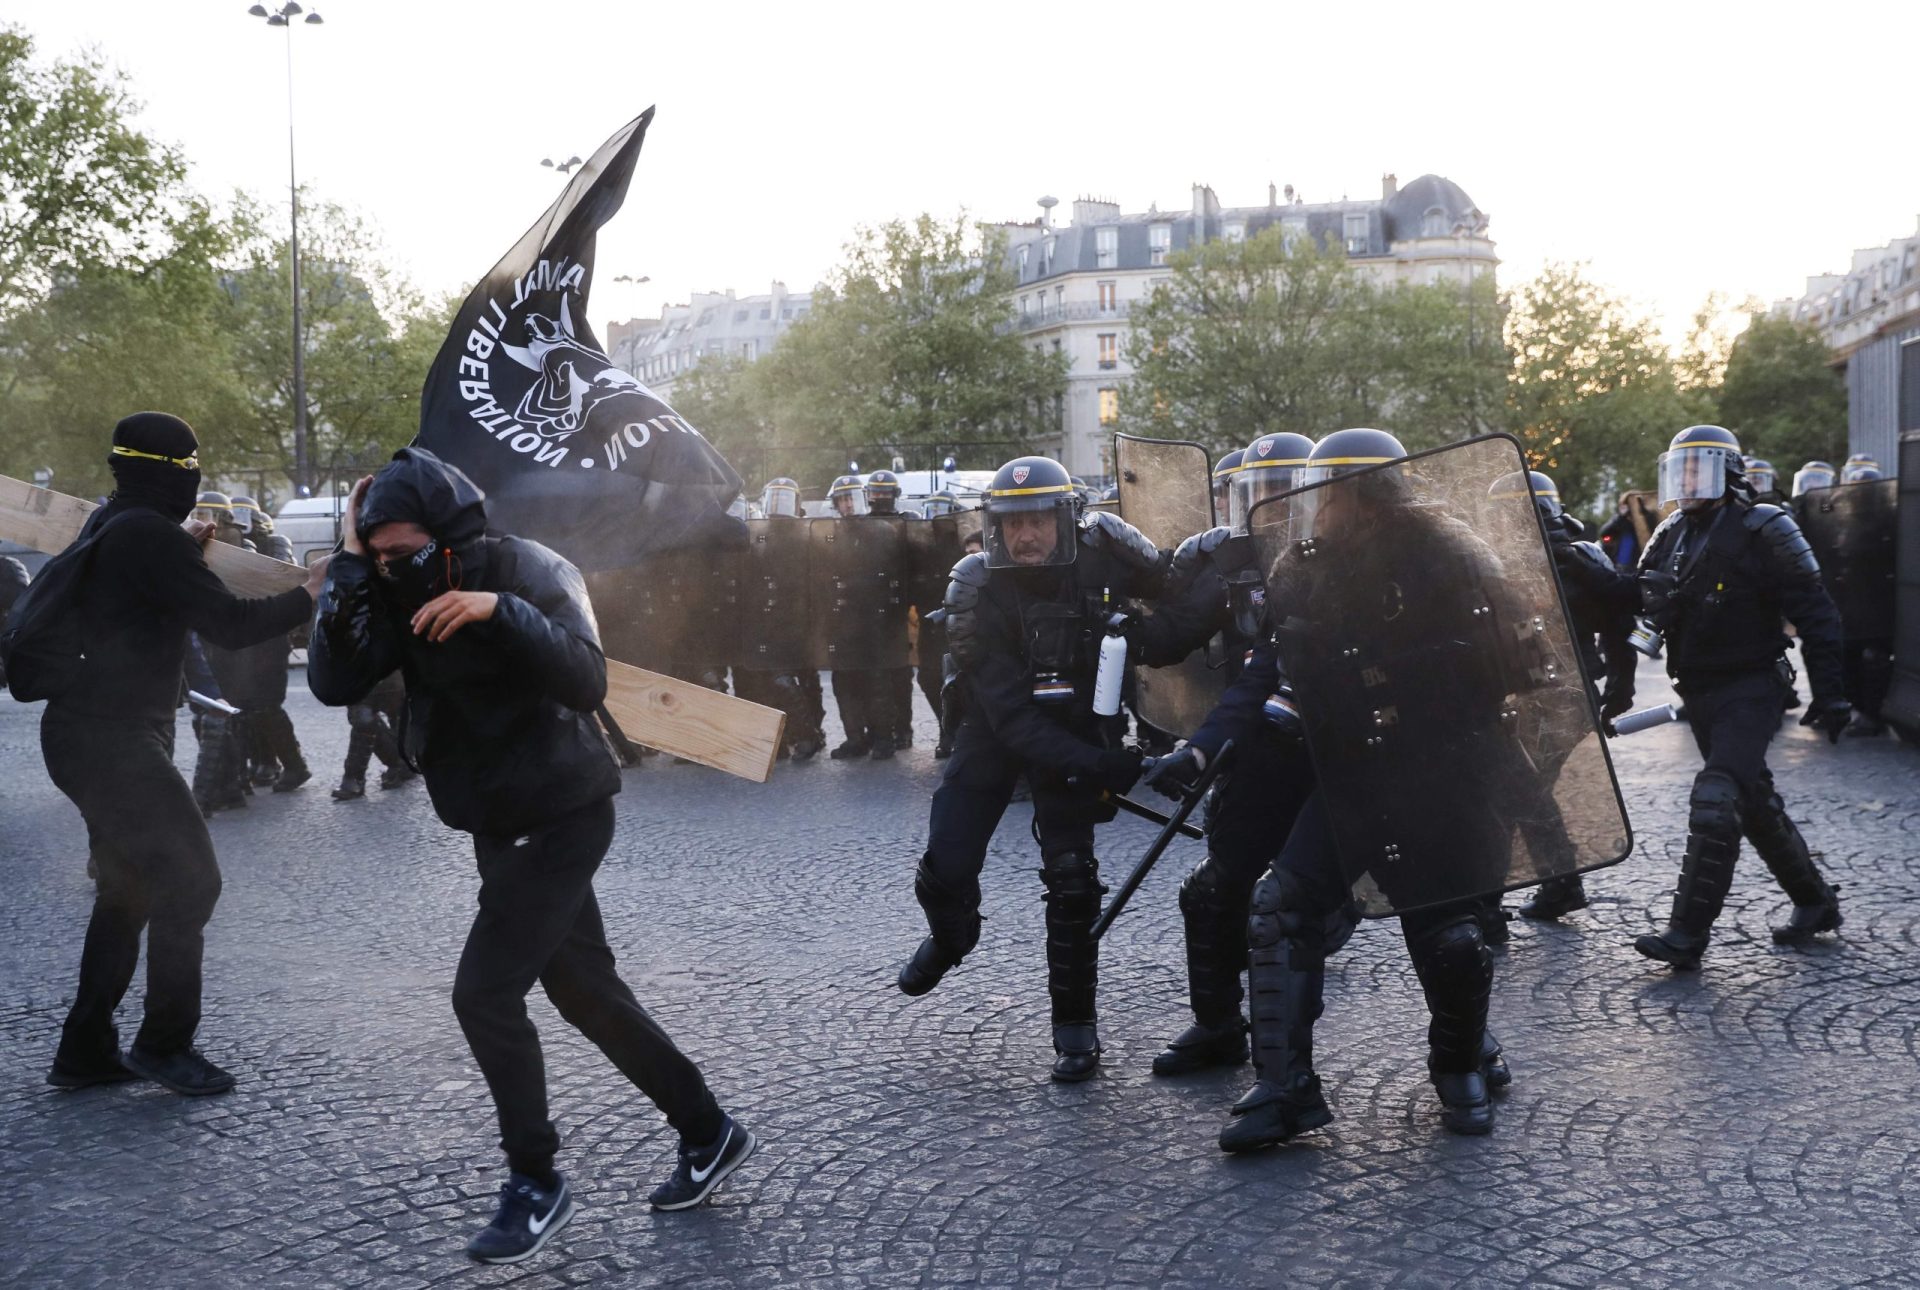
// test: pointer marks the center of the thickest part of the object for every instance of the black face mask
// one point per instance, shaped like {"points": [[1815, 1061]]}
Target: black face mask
{"points": [[414, 580], [171, 490]]}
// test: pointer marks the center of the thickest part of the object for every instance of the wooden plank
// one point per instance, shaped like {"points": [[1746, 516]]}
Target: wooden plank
{"points": [[663, 712]]}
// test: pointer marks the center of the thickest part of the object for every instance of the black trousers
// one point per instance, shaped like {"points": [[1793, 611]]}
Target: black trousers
{"points": [[1732, 722], [371, 724], [539, 921], [866, 706], [157, 873]]}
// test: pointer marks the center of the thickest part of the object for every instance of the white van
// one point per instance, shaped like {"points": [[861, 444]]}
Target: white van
{"points": [[312, 524]]}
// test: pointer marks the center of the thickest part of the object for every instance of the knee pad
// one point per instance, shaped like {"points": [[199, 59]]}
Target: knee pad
{"points": [[1073, 885], [1202, 894], [1278, 912], [1456, 952], [1714, 808], [952, 916]]}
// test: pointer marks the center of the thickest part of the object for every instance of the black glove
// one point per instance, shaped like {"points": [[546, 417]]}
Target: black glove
{"points": [[1656, 591], [1172, 775], [1829, 716], [1616, 701], [1119, 769]]}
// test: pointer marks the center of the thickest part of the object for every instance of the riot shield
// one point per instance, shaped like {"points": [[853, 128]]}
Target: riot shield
{"points": [[933, 549], [675, 612], [1852, 528], [1166, 493], [860, 566], [776, 597], [1422, 628]]}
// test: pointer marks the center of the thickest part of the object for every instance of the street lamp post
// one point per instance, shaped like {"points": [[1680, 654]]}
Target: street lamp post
{"points": [[283, 17]]}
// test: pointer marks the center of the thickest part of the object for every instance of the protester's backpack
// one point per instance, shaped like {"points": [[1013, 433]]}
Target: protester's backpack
{"points": [[41, 647]]}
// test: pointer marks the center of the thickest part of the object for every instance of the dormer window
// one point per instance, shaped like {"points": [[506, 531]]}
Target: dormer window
{"points": [[1235, 231], [1106, 248], [1435, 223], [1356, 233], [1020, 258]]}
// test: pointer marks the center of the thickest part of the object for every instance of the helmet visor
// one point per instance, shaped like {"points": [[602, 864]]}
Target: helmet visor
{"points": [[1761, 477], [1030, 533], [780, 500], [1257, 484], [1693, 475], [850, 501], [1810, 477]]}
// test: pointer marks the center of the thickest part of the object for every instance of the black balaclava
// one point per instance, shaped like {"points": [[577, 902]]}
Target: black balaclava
{"points": [[156, 464], [418, 487]]}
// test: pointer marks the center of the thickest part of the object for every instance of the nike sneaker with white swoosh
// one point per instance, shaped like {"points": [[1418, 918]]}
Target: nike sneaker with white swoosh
{"points": [[702, 1168], [529, 1215]]}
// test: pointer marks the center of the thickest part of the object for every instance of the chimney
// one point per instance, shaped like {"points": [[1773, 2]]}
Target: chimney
{"points": [[1273, 195], [1388, 187]]}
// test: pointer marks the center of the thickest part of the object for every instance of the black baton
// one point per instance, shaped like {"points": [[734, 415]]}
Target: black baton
{"points": [[1171, 824]]}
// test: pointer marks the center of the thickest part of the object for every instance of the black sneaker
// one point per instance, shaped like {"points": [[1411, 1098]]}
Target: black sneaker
{"points": [[529, 1216], [185, 1072], [291, 778], [108, 1069], [350, 790], [701, 1170]]}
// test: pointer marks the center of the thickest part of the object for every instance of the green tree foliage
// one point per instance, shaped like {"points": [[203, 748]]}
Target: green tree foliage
{"points": [[1593, 394], [1275, 333], [80, 187], [1782, 396], [909, 346]]}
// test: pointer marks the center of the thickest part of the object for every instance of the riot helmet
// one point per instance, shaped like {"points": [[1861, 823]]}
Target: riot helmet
{"points": [[1698, 465], [1815, 474], [847, 496], [1344, 452], [737, 508], [941, 503], [245, 511], [1544, 492], [214, 508], [780, 497], [1860, 468], [883, 493], [1032, 512], [1223, 483], [1761, 474], [1269, 466]]}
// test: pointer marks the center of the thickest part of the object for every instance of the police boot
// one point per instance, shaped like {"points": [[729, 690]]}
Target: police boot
{"points": [[1285, 977], [953, 918], [1456, 975], [1713, 844], [1816, 902], [1555, 898], [1216, 951], [352, 788], [849, 750], [1072, 897], [1493, 1063]]}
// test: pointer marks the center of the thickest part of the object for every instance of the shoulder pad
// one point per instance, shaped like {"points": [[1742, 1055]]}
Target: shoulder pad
{"points": [[1595, 554], [1193, 552], [1659, 531], [1106, 531], [1792, 556], [968, 579]]}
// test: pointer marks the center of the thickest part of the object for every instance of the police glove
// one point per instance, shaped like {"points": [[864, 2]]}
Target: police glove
{"points": [[1829, 716], [1656, 591], [1119, 769], [1617, 701], [1172, 775]]}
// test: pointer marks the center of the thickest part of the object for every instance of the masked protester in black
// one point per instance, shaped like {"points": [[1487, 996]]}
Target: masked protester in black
{"points": [[1718, 577], [501, 657], [1024, 624], [108, 743]]}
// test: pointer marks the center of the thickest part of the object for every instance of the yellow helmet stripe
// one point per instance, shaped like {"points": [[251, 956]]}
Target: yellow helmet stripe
{"points": [[1703, 443], [1352, 461], [1029, 492], [1272, 461], [185, 463]]}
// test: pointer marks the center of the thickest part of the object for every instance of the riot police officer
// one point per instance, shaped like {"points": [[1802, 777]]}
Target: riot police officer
{"points": [[221, 780], [1025, 619], [795, 690], [1765, 481], [1716, 580], [861, 693], [1215, 591], [1223, 483], [894, 685], [1601, 600], [1815, 474], [1303, 908], [847, 496]]}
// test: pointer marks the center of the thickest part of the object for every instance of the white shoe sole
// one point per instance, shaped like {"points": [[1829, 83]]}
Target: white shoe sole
{"points": [[714, 1179], [561, 1220]]}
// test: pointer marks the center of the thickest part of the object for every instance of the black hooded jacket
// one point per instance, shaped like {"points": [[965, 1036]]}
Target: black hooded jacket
{"points": [[499, 716]]}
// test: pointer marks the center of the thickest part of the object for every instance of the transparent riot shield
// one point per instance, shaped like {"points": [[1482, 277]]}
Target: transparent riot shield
{"points": [[1422, 628], [933, 549], [1166, 493], [776, 598], [860, 567], [1852, 529], [675, 613]]}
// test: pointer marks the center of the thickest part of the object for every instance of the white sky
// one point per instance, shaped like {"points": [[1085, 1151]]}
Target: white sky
{"points": [[1680, 147]]}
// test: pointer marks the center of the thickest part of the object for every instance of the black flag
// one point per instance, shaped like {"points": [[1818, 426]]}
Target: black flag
{"points": [[571, 451]]}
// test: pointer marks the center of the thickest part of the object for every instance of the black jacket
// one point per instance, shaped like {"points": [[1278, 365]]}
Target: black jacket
{"points": [[1742, 570], [147, 585], [500, 716]]}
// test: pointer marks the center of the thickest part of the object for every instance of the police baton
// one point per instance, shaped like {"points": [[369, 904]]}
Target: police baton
{"points": [[1169, 826]]}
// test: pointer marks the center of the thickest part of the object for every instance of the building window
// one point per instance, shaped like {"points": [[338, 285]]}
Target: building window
{"points": [[1109, 351], [1046, 257], [1060, 302], [1356, 230], [1106, 248], [1020, 258], [1109, 297], [1026, 307], [1434, 223], [766, 313], [1236, 232], [1109, 406], [749, 350], [1159, 242]]}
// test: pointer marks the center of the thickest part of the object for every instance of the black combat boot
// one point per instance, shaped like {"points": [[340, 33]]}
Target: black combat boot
{"points": [[953, 921], [1216, 952], [1073, 901], [1816, 903], [1286, 974], [1705, 874], [352, 789], [1555, 898], [1456, 975], [849, 750]]}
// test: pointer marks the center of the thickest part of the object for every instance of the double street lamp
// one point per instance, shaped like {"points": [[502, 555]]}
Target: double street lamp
{"points": [[283, 17]]}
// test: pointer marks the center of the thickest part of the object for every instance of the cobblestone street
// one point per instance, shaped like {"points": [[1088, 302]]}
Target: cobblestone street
{"points": [[1754, 1124]]}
